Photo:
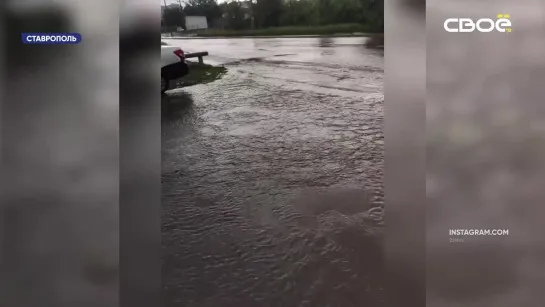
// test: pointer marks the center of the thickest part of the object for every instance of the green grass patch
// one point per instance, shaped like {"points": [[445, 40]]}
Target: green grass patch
{"points": [[201, 74], [340, 29]]}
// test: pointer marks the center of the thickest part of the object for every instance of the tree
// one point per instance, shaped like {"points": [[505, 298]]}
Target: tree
{"points": [[373, 14], [268, 13], [273, 13], [299, 13], [235, 16], [173, 18]]}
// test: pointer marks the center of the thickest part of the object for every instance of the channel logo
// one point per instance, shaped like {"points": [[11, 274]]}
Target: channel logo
{"points": [[51, 38], [485, 25]]}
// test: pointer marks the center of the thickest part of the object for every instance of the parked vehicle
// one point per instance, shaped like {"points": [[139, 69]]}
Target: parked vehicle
{"points": [[173, 65]]}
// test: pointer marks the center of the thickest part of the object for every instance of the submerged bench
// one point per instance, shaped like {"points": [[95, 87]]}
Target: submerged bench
{"points": [[199, 55]]}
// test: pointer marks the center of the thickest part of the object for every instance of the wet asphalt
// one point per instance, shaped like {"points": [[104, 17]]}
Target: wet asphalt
{"points": [[272, 176]]}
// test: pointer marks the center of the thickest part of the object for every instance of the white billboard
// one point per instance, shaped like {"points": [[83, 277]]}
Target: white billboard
{"points": [[195, 22]]}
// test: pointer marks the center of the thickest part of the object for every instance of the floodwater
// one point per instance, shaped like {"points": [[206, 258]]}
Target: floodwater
{"points": [[272, 176]]}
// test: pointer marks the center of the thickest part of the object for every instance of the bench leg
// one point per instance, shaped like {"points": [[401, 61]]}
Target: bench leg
{"points": [[200, 60]]}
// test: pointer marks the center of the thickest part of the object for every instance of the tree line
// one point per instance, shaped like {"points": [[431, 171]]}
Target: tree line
{"points": [[259, 14]]}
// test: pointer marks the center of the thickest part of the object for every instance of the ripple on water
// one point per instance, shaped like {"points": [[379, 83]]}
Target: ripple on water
{"points": [[313, 248], [245, 130]]}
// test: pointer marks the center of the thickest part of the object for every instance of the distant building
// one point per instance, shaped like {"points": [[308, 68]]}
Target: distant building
{"points": [[196, 23]]}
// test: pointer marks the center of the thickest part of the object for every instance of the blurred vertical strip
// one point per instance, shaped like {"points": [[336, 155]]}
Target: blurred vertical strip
{"points": [[59, 155], [405, 168], [140, 154], [2, 97], [486, 155]]}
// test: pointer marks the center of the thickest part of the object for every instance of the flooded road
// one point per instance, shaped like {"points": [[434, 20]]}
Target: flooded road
{"points": [[272, 176]]}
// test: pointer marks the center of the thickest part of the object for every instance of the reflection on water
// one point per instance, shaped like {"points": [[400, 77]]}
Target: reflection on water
{"points": [[375, 41], [325, 41], [176, 106]]}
